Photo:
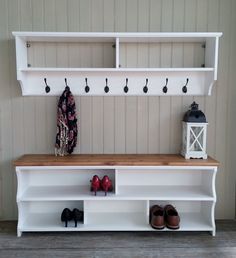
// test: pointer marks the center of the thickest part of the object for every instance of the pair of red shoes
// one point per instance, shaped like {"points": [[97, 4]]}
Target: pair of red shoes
{"points": [[101, 185]]}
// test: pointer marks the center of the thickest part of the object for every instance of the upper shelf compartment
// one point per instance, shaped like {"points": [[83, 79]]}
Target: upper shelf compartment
{"points": [[117, 60]]}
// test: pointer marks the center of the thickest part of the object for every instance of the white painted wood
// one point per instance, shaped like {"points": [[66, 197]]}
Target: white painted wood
{"points": [[63, 193], [211, 52], [160, 176], [119, 206], [110, 36], [97, 82], [69, 176], [161, 69], [216, 58], [21, 56], [194, 140], [27, 78], [124, 221], [43, 192], [160, 193], [126, 192], [105, 222], [117, 52]]}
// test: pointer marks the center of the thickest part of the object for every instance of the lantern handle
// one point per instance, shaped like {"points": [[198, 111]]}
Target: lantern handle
{"points": [[194, 106]]}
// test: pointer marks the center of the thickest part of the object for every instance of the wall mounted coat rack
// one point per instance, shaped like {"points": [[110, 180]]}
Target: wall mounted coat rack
{"points": [[107, 89], [121, 75]]}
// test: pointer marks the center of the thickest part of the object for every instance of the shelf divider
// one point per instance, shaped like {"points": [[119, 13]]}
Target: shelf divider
{"points": [[117, 52]]}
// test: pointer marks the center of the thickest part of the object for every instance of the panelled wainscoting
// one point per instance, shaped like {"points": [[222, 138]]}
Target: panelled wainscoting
{"points": [[117, 124]]}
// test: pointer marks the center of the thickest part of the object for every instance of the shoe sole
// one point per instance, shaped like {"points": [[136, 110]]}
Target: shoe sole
{"points": [[158, 228], [100, 190], [171, 227]]}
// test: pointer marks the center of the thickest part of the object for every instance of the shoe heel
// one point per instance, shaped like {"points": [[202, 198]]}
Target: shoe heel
{"points": [[66, 216], [106, 184], [77, 216], [95, 184]]}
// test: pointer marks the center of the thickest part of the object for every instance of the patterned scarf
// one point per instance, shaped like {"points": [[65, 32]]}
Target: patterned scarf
{"points": [[66, 137]]}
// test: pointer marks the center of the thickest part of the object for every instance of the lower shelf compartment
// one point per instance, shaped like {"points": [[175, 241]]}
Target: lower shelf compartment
{"points": [[116, 221], [113, 221], [47, 222]]}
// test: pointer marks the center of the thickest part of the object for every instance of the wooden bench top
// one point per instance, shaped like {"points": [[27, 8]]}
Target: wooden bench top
{"points": [[112, 160]]}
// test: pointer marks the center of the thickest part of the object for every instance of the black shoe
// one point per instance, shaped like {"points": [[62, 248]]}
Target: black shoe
{"points": [[66, 216], [77, 215]]}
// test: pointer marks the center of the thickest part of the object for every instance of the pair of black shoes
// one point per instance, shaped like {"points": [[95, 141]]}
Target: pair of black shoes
{"points": [[75, 215]]}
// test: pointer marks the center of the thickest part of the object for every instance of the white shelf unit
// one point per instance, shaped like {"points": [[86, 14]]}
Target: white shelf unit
{"points": [[44, 191], [117, 57]]}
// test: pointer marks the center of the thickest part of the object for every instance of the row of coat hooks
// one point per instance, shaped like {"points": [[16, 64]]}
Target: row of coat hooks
{"points": [[126, 88]]}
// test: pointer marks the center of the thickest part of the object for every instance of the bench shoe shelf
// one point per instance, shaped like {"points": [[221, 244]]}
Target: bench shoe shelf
{"points": [[48, 184]]}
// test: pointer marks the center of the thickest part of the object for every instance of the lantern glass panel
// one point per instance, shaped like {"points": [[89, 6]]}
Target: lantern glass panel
{"points": [[196, 138]]}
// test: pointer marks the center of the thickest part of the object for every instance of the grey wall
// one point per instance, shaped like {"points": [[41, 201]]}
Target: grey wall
{"points": [[117, 124]]}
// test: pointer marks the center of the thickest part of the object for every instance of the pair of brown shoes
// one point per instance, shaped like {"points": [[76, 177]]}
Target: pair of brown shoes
{"points": [[161, 217]]}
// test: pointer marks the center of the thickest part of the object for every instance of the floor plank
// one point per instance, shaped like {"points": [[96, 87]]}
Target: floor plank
{"points": [[119, 244]]}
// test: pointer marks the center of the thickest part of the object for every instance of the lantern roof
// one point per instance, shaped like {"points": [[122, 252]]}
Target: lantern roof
{"points": [[194, 115]]}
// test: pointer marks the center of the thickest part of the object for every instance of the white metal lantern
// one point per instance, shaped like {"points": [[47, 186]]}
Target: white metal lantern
{"points": [[194, 133]]}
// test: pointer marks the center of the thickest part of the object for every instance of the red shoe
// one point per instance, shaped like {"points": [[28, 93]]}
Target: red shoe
{"points": [[106, 184], [95, 184]]}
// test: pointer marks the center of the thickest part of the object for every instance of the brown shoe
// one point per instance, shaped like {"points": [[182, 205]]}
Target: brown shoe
{"points": [[172, 218], [156, 218]]}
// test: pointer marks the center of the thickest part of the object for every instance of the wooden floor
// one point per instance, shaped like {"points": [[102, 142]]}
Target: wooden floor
{"points": [[119, 244]]}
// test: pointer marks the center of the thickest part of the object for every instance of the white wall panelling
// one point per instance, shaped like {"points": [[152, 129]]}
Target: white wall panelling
{"points": [[118, 124]]}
